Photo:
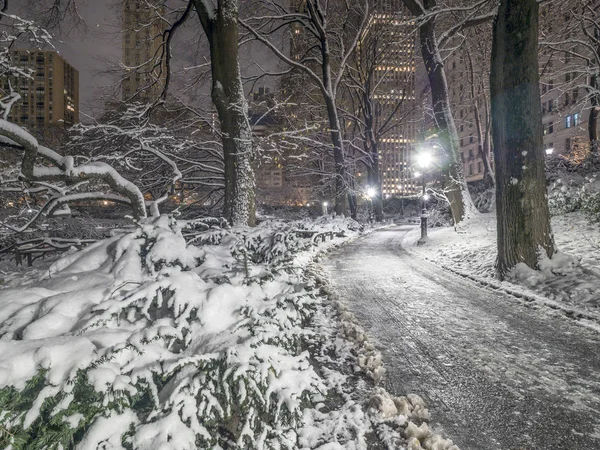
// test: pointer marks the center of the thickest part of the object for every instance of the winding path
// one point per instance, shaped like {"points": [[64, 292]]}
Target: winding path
{"points": [[496, 374]]}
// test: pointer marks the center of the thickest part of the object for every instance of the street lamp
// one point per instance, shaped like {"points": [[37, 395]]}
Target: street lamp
{"points": [[424, 160], [371, 192], [325, 208]]}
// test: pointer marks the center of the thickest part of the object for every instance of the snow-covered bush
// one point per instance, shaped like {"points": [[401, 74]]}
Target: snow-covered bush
{"points": [[484, 196], [438, 217], [589, 198], [563, 195], [144, 341], [575, 192]]}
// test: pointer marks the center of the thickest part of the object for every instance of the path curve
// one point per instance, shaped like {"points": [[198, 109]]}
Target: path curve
{"points": [[496, 374]]}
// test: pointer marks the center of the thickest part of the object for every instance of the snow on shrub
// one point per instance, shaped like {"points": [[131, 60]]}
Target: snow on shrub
{"points": [[143, 341], [575, 192]]}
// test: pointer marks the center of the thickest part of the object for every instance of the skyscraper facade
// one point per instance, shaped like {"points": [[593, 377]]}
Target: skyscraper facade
{"points": [[389, 37]]}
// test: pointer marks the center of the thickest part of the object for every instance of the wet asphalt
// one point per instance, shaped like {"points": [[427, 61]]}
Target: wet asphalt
{"points": [[495, 373]]}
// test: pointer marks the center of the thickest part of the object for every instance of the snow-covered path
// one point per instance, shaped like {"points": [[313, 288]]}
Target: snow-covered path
{"points": [[496, 374]]}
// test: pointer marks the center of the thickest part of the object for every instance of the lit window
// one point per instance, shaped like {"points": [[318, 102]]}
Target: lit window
{"points": [[568, 121]]}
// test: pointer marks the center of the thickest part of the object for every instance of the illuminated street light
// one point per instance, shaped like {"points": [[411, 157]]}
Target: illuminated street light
{"points": [[371, 192], [424, 159], [325, 208]]}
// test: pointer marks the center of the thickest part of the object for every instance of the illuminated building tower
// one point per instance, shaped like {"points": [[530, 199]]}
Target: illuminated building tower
{"points": [[390, 35], [143, 28], [50, 96]]}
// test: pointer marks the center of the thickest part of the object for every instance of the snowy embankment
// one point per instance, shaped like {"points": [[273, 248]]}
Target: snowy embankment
{"points": [[146, 341], [569, 281]]}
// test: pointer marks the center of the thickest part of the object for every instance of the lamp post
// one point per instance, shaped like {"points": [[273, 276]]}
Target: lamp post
{"points": [[325, 208], [371, 192], [423, 160]]}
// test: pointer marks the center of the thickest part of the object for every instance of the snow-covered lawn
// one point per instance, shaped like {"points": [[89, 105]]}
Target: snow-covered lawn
{"points": [[232, 339], [569, 281]]}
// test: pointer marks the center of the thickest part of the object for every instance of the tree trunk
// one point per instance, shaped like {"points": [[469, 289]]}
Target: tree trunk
{"points": [[488, 176], [455, 184], [375, 182], [338, 155], [221, 29], [373, 167], [593, 118], [521, 200]]}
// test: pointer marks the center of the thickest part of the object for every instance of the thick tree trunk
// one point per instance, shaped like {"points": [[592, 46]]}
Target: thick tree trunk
{"points": [[455, 184], [521, 200], [221, 28]]}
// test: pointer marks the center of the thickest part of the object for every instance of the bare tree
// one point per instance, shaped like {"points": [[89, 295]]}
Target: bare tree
{"points": [[331, 31], [474, 54], [379, 100], [524, 233], [158, 152], [220, 25], [427, 12], [60, 176]]}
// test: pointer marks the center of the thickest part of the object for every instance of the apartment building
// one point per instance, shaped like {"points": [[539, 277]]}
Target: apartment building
{"points": [[50, 97], [143, 26], [565, 85], [566, 78]]}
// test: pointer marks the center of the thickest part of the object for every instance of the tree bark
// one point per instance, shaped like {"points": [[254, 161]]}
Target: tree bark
{"points": [[371, 147], [521, 197], [221, 29], [338, 155], [488, 175], [593, 118], [455, 184]]}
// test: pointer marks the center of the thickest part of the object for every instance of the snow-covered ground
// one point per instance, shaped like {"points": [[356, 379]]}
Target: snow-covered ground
{"points": [[225, 338], [569, 281]]}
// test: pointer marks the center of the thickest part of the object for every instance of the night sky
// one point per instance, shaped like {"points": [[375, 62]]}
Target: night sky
{"points": [[91, 51]]}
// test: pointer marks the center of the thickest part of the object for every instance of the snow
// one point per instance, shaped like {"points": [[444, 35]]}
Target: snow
{"points": [[570, 280], [209, 333], [106, 432], [18, 134], [61, 356]]}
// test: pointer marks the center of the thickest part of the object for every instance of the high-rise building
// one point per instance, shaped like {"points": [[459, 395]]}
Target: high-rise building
{"points": [[50, 96], [143, 28], [389, 37]]}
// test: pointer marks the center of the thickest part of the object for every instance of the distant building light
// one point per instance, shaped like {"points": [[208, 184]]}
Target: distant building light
{"points": [[549, 151]]}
